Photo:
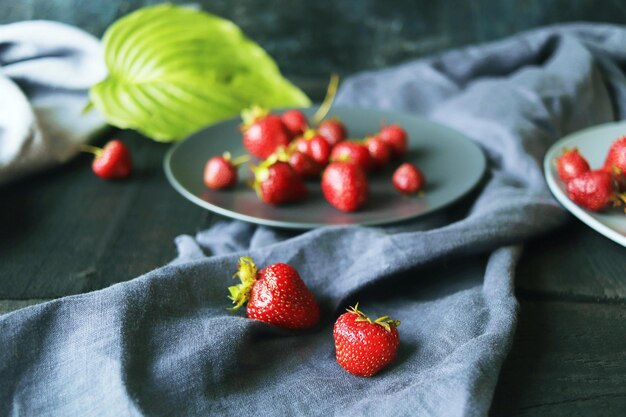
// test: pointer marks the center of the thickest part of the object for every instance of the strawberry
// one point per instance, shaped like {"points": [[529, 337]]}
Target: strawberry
{"points": [[220, 172], [354, 152], [571, 164], [304, 165], [333, 131], [594, 190], [295, 122], [615, 162], [345, 186], [313, 145], [276, 294], [408, 178], [380, 152], [364, 347], [396, 137], [111, 162], [277, 183], [263, 133]]}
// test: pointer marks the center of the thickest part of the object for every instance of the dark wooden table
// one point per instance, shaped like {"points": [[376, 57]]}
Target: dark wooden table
{"points": [[65, 232]]}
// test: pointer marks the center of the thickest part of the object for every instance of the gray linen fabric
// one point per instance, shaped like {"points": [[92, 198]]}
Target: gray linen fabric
{"points": [[46, 69], [164, 345]]}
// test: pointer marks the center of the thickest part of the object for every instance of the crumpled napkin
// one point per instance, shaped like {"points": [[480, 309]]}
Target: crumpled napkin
{"points": [[46, 69]]}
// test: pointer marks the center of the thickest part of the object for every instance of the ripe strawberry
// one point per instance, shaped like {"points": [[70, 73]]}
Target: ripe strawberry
{"points": [[276, 294], [345, 186], [304, 165], [295, 122], [220, 172], [352, 152], [111, 162], [313, 145], [380, 152], [571, 164], [408, 178], [333, 131], [364, 347], [263, 133], [277, 183], [615, 162], [396, 137], [593, 190]]}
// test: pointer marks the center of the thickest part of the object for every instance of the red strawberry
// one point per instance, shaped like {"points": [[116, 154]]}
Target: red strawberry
{"points": [[263, 133], [277, 183], [220, 172], [408, 178], [352, 152], [295, 122], [304, 165], [111, 162], [380, 152], [615, 162], [333, 131], [593, 190], [396, 137], [571, 164], [345, 186], [364, 347], [276, 294], [313, 145]]}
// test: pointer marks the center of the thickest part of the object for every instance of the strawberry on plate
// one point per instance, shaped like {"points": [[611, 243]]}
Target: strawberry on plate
{"points": [[313, 145], [276, 294], [615, 162], [364, 346], [304, 165], [295, 122], [353, 152], [344, 186], [220, 172], [263, 132], [395, 136], [571, 164], [380, 152], [595, 190], [277, 183], [408, 179], [333, 131]]}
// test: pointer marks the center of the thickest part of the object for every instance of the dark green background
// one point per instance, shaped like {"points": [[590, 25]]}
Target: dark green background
{"points": [[310, 39]]}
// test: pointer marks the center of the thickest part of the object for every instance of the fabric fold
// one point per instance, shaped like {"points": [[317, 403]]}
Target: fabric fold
{"points": [[46, 69]]}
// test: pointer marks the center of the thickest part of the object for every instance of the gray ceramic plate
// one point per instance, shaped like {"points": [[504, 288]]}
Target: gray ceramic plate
{"points": [[452, 165], [593, 143]]}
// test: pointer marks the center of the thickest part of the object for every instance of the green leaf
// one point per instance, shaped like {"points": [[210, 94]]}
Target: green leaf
{"points": [[174, 70]]}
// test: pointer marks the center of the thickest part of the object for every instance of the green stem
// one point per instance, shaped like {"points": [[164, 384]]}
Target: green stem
{"points": [[240, 160], [90, 149], [331, 92]]}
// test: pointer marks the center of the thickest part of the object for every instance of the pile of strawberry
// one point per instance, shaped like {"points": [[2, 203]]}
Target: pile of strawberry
{"points": [[292, 152], [595, 189], [277, 295]]}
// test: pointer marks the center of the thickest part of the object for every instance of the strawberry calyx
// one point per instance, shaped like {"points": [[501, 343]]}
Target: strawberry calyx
{"points": [[261, 172], [385, 321], [251, 115], [247, 273], [309, 134]]}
